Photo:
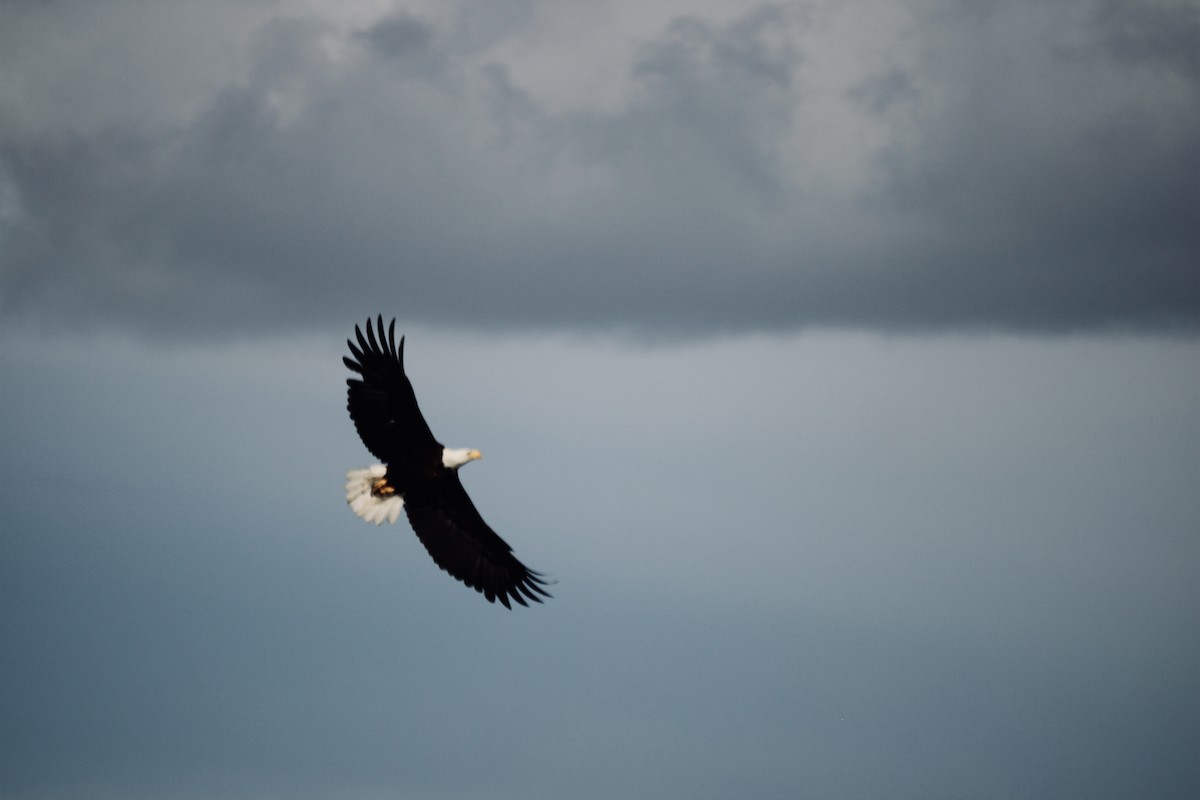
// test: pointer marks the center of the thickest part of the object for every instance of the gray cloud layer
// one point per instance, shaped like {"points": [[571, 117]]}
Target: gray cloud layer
{"points": [[928, 164]]}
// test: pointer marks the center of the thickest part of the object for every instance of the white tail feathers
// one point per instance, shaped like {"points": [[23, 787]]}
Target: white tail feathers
{"points": [[370, 496]]}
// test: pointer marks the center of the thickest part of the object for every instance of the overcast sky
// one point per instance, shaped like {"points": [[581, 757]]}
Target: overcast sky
{"points": [[924, 163], [839, 360]]}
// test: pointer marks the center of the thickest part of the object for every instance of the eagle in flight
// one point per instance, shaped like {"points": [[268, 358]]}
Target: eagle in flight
{"points": [[420, 476]]}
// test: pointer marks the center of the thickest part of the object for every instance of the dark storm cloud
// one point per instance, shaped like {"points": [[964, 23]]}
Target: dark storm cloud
{"points": [[1053, 192], [401, 36], [1005, 165], [1155, 34]]}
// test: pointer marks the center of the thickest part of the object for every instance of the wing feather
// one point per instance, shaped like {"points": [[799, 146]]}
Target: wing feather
{"points": [[382, 403], [461, 543]]}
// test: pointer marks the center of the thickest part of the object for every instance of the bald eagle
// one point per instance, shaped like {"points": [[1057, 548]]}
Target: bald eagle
{"points": [[420, 476]]}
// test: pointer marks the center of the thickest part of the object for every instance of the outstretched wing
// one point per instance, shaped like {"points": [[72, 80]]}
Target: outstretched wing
{"points": [[382, 403], [462, 544]]}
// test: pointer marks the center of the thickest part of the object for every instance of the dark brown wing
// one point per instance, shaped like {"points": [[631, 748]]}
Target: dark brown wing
{"points": [[382, 403], [461, 543]]}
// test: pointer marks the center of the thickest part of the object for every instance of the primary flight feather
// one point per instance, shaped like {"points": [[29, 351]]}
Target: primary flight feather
{"points": [[420, 476]]}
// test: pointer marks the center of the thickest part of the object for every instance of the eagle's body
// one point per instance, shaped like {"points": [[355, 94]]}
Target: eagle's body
{"points": [[420, 476]]}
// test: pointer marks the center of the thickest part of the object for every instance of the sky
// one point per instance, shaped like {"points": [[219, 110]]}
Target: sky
{"points": [[838, 360]]}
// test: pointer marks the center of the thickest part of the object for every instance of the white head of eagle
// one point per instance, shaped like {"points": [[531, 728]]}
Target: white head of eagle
{"points": [[420, 477], [455, 457]]}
